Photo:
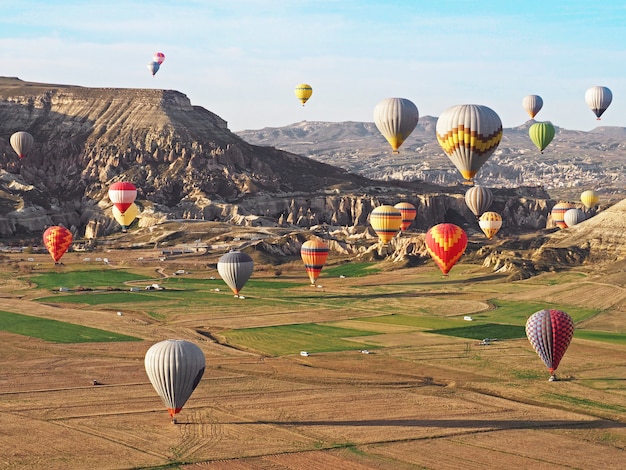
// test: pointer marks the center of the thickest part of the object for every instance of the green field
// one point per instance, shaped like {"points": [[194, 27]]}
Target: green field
{"points": [[351, 270], [87, 278], [56, 331]]}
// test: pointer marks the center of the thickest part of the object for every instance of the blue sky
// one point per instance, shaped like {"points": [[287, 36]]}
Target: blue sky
{"points": [[241, 59]]}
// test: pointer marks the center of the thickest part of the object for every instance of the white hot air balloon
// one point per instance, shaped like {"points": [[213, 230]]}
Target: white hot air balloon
{"points": [[396, 118], [573, 217], [478, 199], [174, 368], [598, 98], [22, 142], [532, 104], [235, 268]]}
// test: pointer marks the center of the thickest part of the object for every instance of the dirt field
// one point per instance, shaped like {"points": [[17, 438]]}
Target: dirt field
{"points": [[421, 401]]}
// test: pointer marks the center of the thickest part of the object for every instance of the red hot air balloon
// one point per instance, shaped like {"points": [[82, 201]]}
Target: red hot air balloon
{"points": [[408, 212], [57, 240], [558, 213], [122, 194], [314, 253], [446, 243], [549, 333], [158, 57]]}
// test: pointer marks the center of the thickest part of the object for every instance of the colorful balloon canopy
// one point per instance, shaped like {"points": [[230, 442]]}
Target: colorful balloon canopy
{"points": [[158, 57], [154, 67], [235, 268], [541, 133], [57, 240], [589, 198], [386, 220], [396, 118], [174, 368], [314, 253], [550, 333], [478, 199], [122, 194], [127, 217], [598, 98], [22, 142], [573, 217], [532, 104], [303, 92], [490, 223], [446, 244], [558, 213], [408, 212], [469, 134]]}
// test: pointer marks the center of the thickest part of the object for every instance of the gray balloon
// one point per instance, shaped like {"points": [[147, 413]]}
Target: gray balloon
{"points": [[235, 268]]}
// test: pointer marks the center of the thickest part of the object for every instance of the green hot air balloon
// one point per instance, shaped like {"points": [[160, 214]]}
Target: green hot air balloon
{"points": [[541, 133]]}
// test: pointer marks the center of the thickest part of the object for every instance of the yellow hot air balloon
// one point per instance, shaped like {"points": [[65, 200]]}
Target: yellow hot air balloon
{"points": [[490, 223], [126, 218], [396, 118], [386, 221], [589, 198], [303, 92], [469, 134]]}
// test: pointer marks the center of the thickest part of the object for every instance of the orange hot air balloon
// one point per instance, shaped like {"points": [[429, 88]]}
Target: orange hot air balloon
{"points": [[314, 253], [558, 213], [446, 244], [386, 221], [57, 240], [408, 212]]}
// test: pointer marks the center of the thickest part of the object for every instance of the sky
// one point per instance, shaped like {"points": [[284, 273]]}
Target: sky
{"points": [[242, 59]]}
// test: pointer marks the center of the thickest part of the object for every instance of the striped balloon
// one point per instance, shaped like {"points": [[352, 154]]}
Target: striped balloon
{"points": [[558, 213], [303, 92], [386, 221], [408, 212], [235, 268], [446, 244], [490, 223], [314, 253], [57, 240], [478, 199], [174, 368], [550, 333], [122, 194]]}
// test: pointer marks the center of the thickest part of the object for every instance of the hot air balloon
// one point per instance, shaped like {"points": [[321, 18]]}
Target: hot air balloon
{"points": [[303, 92], [541, 133], [22, 142], [57, 240], [598, 98], [235, 268], [154, 67], [158, 57], [469, 134], [386, 221], [314, 253], [558, 213], [396, 118], [126, 218], [122, 194], [532, 104], [549, 333], [589, 198], [573, 217], [490, 223], [408, 212], [174, 367], [478, 199], [446, 244]]}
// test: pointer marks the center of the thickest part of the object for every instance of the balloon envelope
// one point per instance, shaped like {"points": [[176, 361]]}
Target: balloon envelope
{"points": [[127, 217], [57, 240], [303, 92], [386, 221], [158, 57], [122, 194], [235, 268], [478, 199], [22, 142], [154, 67], [396, 118], [469, 134], [573, 217], [490, 223], [541, 133], [558, 213], [408, 213], [532, 104], [174, 368], [589, 198], [598, 98], [446, 244], [314, 254], [549, 333]]}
